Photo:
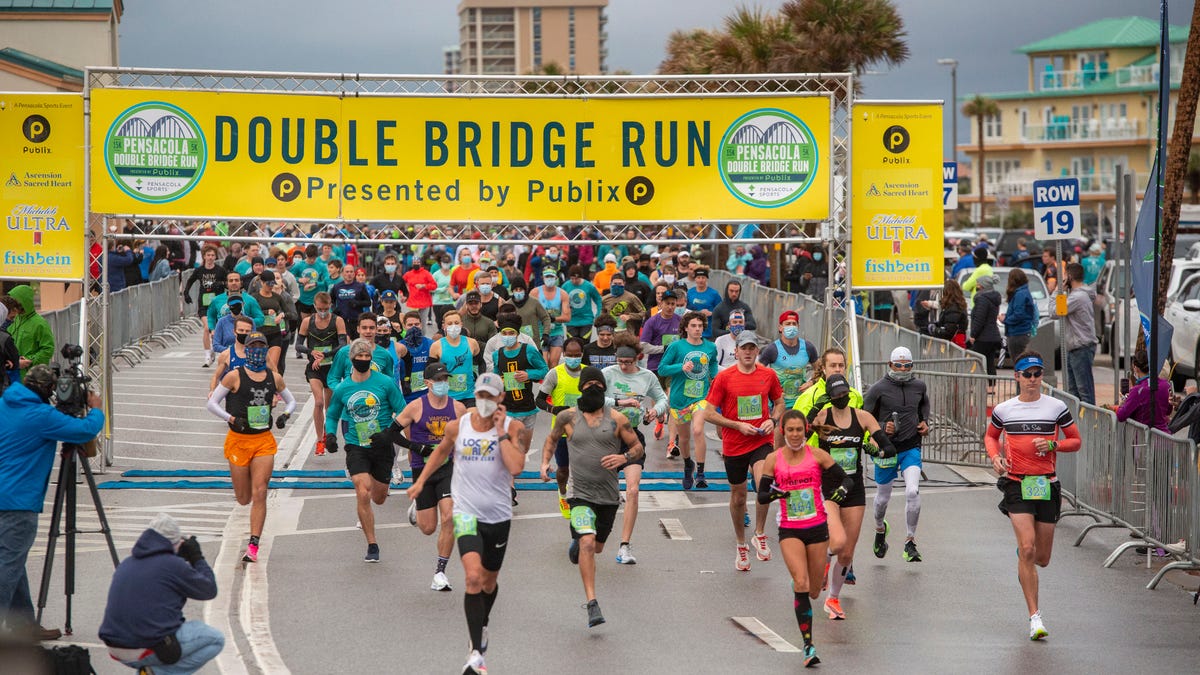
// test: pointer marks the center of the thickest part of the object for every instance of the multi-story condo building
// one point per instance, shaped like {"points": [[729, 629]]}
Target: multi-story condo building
{"points": [[518, 37]]}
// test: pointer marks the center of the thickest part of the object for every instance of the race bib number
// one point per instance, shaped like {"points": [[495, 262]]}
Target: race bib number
{"points": [[366, 431], [583, 520], [668, 339], [570, 400], [693, 388], [323, 349], [888, 463], [458, 383], [270, 320], [749, 407], [465, 525], [510, 382], [801, 504], [847, 458], [416, 381], [207, 298], [1035, 488], [258, 416]]}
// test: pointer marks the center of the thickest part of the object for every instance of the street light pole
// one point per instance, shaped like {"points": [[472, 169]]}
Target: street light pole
{"points": [[953, 63]]}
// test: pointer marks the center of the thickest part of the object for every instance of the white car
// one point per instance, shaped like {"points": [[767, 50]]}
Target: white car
{"points": [[1183, 313]]}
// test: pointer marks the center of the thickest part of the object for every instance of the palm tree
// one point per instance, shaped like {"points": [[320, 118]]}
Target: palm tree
{"points": [[688, 53], [979, 108], [838, 36], [749, 41]]}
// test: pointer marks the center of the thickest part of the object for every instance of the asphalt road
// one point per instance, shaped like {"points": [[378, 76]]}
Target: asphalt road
{"points": [[312, 606]]}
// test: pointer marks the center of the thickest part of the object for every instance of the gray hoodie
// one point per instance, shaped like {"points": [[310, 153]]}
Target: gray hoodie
{"points": [[1081, 317]]}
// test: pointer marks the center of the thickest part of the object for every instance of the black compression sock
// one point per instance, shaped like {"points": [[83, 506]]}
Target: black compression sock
{"points": [[489, 599], [441, 563], [700, 467], [475, 607], [804, 616], [254, 539]]}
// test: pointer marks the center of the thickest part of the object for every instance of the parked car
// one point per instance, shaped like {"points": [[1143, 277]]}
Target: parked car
{"points": [[1006, 247]]}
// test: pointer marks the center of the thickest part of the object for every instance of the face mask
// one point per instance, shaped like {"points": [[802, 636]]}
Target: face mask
{"points": [[572, 363], [453, 331], [669, 278], [484, 289], [591, 399], [508, 340], [361, 365], [323, 313], [817, 257], [383, 340], [413, 334], [440, 388], [518, 296], [900, 375], [840, 402], [680, 311], [790, 332], [235, 310], [241, 338], [256, 359], [616, 290], [486, 407], [389, 268], [551, 256], [550, 282], [736, 330]]}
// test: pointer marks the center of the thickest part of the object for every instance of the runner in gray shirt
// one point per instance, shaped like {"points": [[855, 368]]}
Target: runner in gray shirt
{"points": [[595, 433]]}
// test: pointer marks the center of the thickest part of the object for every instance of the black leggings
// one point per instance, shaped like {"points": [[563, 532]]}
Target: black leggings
{"points": [[990, 351]]}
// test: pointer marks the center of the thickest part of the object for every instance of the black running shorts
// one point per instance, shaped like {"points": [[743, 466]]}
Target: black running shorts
{"points": [[1043, 510], [489, 540], [818, 534], [375, 462], [738, 467], [437, 487], [857, 495], [589, 518]]}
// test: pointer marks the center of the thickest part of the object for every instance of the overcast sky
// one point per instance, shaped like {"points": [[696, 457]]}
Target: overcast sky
{"points": [[407, 36]]}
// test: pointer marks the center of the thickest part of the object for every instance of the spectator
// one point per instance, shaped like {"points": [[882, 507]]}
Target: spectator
{"points": [[1093, 264], [30, 429], [731, 301], [985, 334], [120, 256], [982, 269], [759, 268], [966, 259], [1081, 335], [30, 332], [160, 266], [883, 306], [1136, 405], [1187, 415], [1021, 317], [10, 358], [143, 622], [952, 315], [738, 259], [1049, 270]]}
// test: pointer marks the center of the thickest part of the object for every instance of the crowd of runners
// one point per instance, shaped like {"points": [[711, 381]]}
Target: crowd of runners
{"points": [[441, 361]]}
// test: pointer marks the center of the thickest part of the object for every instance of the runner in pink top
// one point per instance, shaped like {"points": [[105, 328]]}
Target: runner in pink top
{"points": [[792, 474]]}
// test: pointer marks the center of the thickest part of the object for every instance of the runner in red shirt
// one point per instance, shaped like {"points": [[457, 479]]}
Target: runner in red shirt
{"points": [[746, 401], [1032, 499]]}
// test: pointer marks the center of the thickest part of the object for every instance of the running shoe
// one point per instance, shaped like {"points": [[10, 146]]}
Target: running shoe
{"points": [[595, 618], [760, 547], [372, 555], [440, 582], [573, 552], [689, 466], [881, 545], [672, 451], [851, 580], [833, 607], [475, 664], [658, 431], [563, 507], [625, 555], [320, 451], [1037, 630], [412, 514], [742, 563], [397, 477], [701, 481], [251, 553], [910, 552], [810, 656]]}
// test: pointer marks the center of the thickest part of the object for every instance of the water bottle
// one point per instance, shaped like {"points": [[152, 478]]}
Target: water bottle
{"points": [[895, 423]]}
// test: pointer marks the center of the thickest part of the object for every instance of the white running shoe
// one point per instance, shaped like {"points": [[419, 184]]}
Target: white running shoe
{"points": [[412, 514], [1037, 630], [358, 524], [625, 555], [440, 582], [760, 547], [475, 664], [742, 563]]}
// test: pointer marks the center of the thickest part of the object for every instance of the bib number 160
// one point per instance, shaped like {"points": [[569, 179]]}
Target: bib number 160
{"points": [[1058, 222]]}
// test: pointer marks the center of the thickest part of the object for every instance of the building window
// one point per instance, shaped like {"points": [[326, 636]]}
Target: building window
{"points": [[991, 126]]}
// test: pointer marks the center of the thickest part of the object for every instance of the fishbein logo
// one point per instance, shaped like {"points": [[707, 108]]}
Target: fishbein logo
{"points": [[155, 152]]}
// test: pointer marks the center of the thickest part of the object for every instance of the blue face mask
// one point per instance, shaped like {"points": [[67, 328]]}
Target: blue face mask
{"points": [[680, 311], [440, 388], [736, 330], [508, 340], [572, 363], [256, 359], [790, 332], [616, 290], [817, 257], [518, 296]]}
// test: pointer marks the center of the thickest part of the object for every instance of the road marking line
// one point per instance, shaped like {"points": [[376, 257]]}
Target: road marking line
{"points": [[169, 461], [974, 474], [760, 630], [674, 529], [175, 355], [169, 419], [670, 500], [216, 611], [170, 431]]}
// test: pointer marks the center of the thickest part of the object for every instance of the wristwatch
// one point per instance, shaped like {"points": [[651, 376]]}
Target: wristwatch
{"points": [[502, 438], [627, 457]]}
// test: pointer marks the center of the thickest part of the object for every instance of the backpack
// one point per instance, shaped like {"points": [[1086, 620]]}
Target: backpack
{"points": [[68, 660]]}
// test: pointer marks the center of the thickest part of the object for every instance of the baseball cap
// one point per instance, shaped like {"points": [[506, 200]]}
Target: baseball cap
{"points": [[747, 337], [436, 370], [901, 354], [549, 273], [701, 272], [235, 300], [789, 315], [270, 262], [473, 296], [490, 383], [836, 386], [267, 276], [388, 296], [256, 337]]}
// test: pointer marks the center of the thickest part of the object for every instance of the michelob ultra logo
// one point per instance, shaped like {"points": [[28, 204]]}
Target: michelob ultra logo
{"points": [[155, 152], [768, 158]]}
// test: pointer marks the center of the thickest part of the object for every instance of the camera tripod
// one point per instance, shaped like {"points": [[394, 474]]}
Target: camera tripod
{"points": [[64, 498]]}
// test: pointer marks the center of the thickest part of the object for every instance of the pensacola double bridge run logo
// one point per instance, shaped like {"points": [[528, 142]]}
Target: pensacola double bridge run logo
{"points": [[768, 158], [155, 152]]}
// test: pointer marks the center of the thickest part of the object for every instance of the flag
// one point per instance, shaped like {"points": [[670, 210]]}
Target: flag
{"points": [[1142, 272]]}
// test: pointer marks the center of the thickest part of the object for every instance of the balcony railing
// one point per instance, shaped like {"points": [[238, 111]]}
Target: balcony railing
{"points": [[1093, 129], [1129, 76], [1019, 183]]}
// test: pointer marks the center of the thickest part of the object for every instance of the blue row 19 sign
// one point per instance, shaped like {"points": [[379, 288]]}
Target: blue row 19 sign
{"points": [[1056, 208]]}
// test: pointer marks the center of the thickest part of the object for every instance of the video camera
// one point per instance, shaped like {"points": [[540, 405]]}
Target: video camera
{"points": [[71, 387]]}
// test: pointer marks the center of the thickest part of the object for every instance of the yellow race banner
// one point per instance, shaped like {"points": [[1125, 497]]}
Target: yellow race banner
{"points": [[41, 164], [896, 196], [507, 159]]}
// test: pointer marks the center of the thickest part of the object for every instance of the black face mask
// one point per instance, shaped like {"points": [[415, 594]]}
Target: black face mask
{"points": [[235, 310], [840, 402], [383, 340], [241, 338], [591, 399], [360, 365]]}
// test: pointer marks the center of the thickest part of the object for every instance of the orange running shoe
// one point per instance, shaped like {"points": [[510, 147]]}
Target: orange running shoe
{"points": [[320, 448], [833, 607]]}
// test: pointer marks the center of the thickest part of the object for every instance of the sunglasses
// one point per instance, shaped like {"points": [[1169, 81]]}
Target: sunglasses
{"points": [[626, 362], [1031, 373], [902, 366]]}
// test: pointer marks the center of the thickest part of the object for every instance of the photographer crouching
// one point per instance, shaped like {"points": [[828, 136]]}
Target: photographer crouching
{"points": [[143, 623], [30, 431]]}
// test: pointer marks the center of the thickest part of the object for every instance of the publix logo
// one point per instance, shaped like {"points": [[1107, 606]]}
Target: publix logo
{"points": [[155, 152], [768, 158]]}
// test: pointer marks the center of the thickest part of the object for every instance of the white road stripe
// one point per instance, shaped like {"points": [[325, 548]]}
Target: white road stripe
{"points": [[216, 611], [171, 431], [674, 529], [668, 500], [169, 461], [759, 630], [974, 474]]}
